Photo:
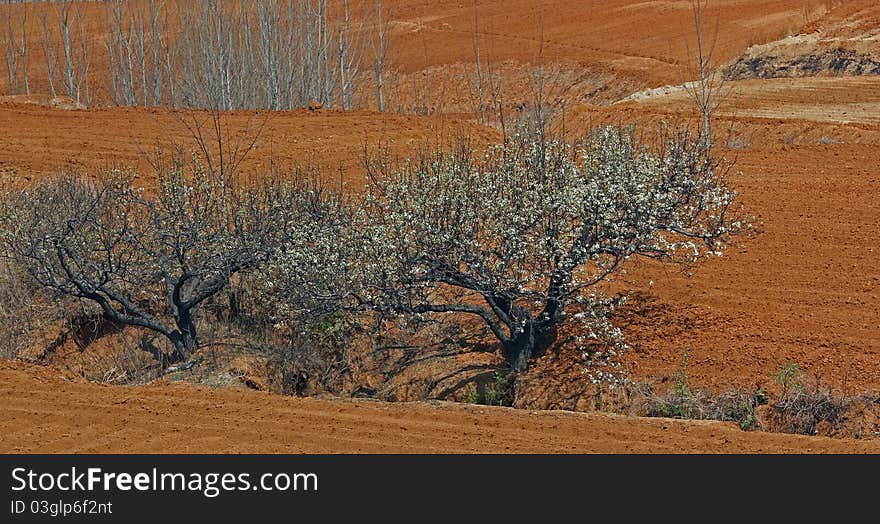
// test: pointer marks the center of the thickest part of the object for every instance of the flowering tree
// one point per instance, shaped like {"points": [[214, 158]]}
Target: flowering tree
{"points": [[520, 236], [150, 260]]}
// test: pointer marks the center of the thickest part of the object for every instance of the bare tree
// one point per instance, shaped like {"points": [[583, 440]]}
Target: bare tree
{"points": [[496, 91], [380, 54], [136, 46], [9, 54], [150, 261], [426, 104], [83, 91], [64, 7], [50, 54], [235, 54], [277, 54], [151, 258], [73, 42], [157, 43], [705, 91], [539, 116], [119, 50], [349, 49], [15, 45], [23, 49], [481, 103], [75, 240]]}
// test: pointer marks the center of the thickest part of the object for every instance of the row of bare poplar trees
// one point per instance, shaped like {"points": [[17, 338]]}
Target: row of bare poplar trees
{"points": [[64, 47], [226, 54]]}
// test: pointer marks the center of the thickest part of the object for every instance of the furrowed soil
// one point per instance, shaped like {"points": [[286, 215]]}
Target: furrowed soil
{"points": [[42, 412], [806, 290]]}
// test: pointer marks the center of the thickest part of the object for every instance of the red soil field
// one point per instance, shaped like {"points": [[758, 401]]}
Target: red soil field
{"points": [[39, 141], [806, 290], [43, 412]]}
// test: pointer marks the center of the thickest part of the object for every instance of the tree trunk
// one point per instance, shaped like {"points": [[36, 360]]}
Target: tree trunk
{"points": [[184, 345], [519, 349], [530, 343], [187, 327], [234, 306], [184, 340]]}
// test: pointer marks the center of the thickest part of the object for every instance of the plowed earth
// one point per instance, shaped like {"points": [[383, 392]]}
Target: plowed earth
{"points": [[806, 290], [43, 412]]}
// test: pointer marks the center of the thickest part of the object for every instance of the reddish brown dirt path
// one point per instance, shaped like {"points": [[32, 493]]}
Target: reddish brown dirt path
{"points": [[841, 101], [41, 412]]}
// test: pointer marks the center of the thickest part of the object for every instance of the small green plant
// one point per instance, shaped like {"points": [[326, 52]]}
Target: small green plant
{"points": [[499, 392], [678, 403], [790, 378], [682, 380], [740, 407], [682, 401], [496, 392], [471, 395]]}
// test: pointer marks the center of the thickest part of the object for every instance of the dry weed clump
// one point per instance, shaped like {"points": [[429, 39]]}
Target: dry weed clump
{"points": [[796, 409], [26, 315]]}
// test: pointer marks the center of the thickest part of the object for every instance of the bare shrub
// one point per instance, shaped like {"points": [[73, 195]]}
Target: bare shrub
{"points": [[802, 412], [682, 401], [22, 312], [796, 409], [806, 410], [734, 406], [315, 357], [149, 261]]}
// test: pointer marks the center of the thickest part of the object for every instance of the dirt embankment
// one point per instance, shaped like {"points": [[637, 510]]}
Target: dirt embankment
{"points": [[42, 412], [837, 61], [836, 39]]}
